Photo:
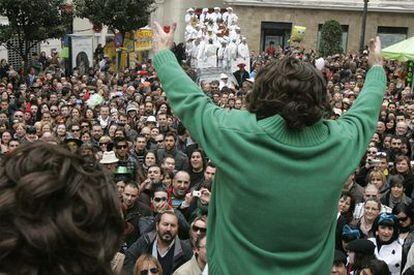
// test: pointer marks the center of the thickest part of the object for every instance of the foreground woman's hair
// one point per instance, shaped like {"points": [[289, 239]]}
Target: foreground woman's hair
{"points": [[57, 215]]}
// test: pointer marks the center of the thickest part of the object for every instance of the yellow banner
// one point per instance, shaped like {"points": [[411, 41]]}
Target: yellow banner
{"points": [[143, 40]]}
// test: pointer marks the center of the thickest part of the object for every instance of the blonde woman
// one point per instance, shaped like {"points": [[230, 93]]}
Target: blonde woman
{"points": [[147, 265]]}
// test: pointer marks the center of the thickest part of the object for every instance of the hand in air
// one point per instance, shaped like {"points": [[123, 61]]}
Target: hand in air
{"points": [[161, 39], [375, 57]]}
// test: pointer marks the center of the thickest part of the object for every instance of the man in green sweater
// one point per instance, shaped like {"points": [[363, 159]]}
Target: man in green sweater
{"points": [[274, 201]]}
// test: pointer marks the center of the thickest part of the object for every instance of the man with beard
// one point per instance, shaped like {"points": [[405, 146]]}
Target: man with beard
{"points": [[395, 148], [163, 243], [97, 133], [181, 160], [198, 262]]}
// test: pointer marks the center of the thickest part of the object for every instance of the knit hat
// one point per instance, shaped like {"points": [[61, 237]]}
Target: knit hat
{"points": [[361, 246]]}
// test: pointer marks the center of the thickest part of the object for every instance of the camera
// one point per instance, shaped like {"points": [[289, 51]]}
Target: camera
{"points": [[196, 193]]}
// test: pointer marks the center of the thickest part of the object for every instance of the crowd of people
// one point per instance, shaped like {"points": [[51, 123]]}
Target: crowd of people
{"points": [[123, 122]]}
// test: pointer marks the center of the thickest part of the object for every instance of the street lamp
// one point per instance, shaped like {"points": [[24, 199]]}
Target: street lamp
{"points": [[364, 23]]}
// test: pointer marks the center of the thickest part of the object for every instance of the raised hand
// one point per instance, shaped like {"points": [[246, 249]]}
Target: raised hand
{"points": [[375, 57], [162, 40]]}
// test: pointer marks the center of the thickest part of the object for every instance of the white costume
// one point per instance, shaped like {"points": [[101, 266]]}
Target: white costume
{"points": [[210, 55], [232, 54], [215, 15], [204, 16], [391, 254], [234, 34], [194, 53], [189, 16], [243, 54], [222, 56]]}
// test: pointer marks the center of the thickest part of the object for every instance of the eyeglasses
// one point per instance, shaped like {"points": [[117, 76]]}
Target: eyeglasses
{"points": [[201, 229], [160, 199], [121, 146], [153, 270]]}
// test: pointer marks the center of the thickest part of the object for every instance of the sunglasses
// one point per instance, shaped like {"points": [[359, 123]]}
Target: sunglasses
{"points": [[403, 219], [85, 126], [121, 146], [160, 199], [75, 130], [103, 143], [202, 229], [153, 270]]}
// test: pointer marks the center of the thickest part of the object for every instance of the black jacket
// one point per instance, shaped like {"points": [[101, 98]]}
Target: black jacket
{"points": [[182, 252]]}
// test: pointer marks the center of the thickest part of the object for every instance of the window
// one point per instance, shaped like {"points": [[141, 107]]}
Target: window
{"points": [[391, 35], [344, 41], [277, 32]]}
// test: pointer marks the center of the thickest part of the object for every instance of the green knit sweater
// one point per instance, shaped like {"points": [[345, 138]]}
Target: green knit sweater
{"points": [[274, 200]]}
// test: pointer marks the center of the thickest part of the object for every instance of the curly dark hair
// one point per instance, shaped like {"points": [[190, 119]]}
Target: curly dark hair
{"points": [[291, 88], [57, 215]]}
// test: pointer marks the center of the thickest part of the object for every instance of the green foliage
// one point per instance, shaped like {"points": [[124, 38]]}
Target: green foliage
{"points": [[121, 15], [331, 36], [31, 21]]}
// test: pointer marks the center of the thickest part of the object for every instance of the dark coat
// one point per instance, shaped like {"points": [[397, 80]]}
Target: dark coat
{"points": [[182, 252], [181, 159]]}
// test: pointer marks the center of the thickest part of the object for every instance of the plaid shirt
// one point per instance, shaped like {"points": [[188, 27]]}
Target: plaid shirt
{"points": [[131, 164]]}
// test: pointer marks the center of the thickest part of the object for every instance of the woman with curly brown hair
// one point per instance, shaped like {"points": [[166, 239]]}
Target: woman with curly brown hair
{"points": [[58, 215]]}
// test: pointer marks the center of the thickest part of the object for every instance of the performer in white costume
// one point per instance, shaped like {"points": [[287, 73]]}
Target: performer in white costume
{"points": [[189, 16], [243, 53], [222, 54]]}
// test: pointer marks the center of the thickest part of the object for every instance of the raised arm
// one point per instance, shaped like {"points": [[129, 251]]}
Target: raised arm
{"points": [[197, 112], [361, 120]]}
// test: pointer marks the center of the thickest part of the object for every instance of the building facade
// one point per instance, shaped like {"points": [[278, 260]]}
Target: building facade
{"points": [[263, 21]]}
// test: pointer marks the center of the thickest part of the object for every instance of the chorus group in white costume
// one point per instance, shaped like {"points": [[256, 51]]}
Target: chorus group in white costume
{"points": [[213, 39]]}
